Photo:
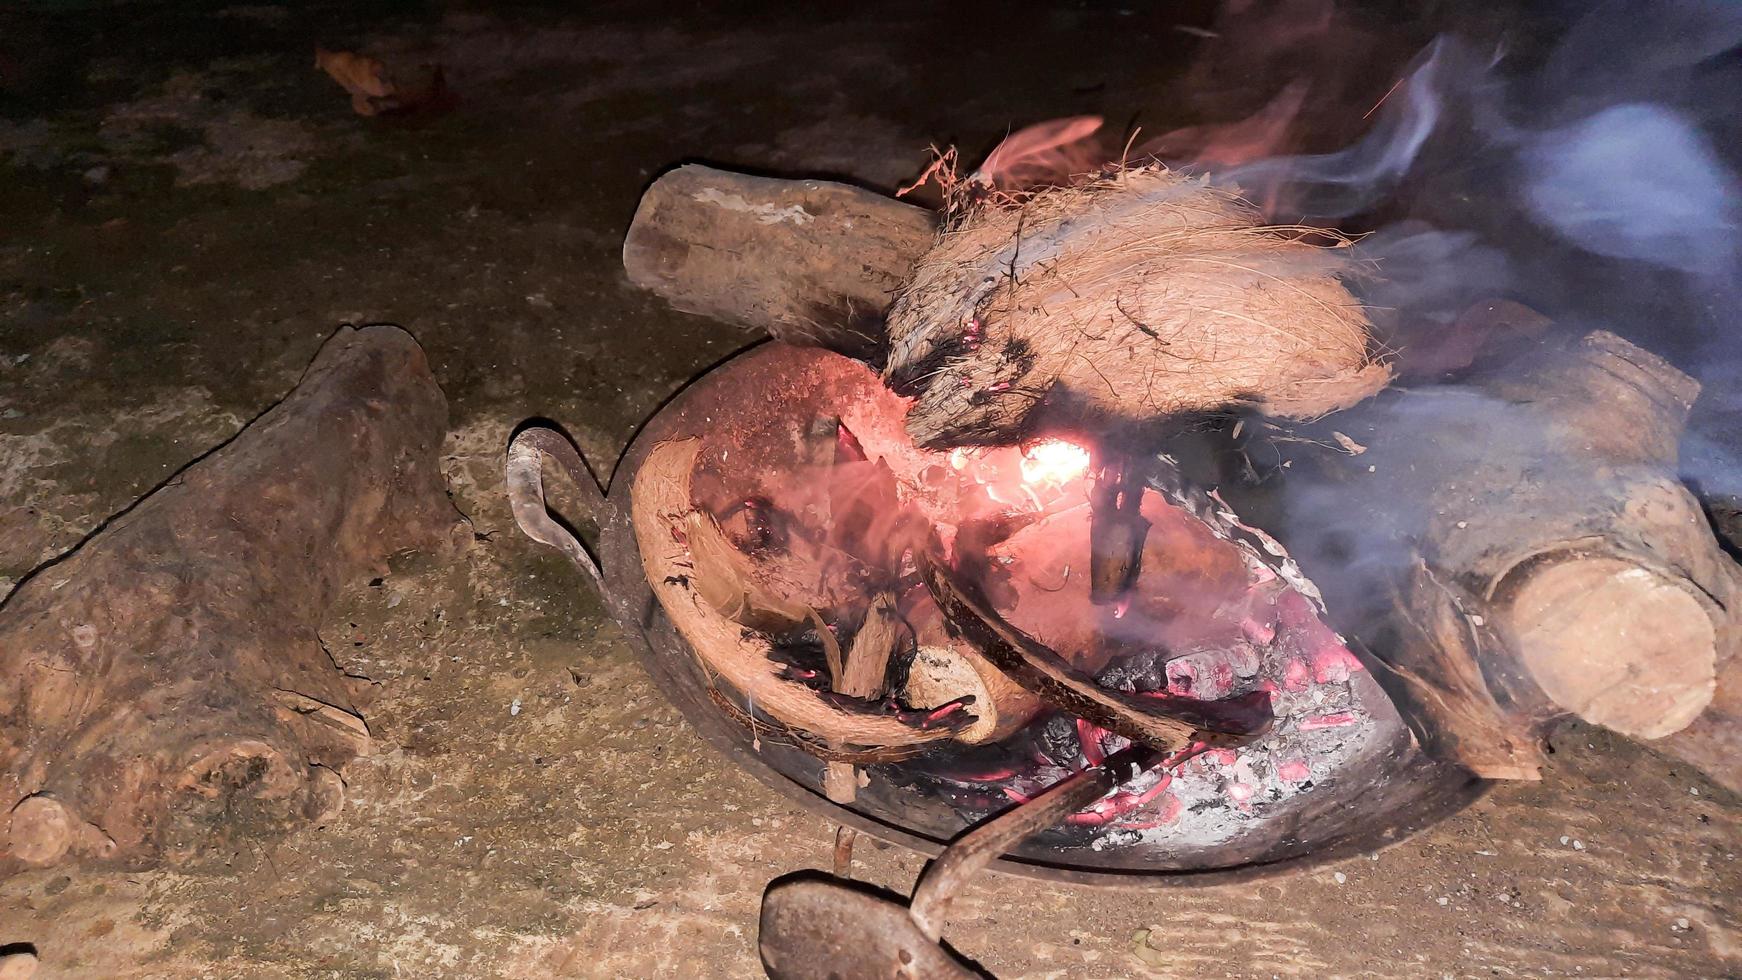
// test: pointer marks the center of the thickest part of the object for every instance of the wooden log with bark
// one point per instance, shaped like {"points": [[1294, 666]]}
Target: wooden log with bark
{"points": [[810, 261], [1519, 549], [164, 687]]}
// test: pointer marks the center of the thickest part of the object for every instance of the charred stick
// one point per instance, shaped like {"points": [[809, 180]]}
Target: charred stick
{"points": [[1117, 528], [1164, 722], [873, 645], [950, 715], [867, 663]]}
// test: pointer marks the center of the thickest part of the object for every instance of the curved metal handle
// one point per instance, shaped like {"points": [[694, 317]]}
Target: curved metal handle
{"points": [[970, 853], [524, 471]]}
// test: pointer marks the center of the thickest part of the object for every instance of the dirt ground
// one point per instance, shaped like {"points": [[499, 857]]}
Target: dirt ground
{"points": [[187, 209]]}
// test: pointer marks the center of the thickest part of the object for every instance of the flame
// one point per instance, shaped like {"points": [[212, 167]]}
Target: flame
{"points": [[1025, 479], [1054, 462]]}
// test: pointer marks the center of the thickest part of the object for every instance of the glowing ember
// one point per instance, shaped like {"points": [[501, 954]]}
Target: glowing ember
{"points": [[1054, 462]]}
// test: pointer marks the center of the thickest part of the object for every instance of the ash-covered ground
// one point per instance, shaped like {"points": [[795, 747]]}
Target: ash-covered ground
{"points": [[189, 208]]}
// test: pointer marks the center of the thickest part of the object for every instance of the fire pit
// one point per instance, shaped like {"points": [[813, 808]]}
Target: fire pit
{"points": [[775, 489]]}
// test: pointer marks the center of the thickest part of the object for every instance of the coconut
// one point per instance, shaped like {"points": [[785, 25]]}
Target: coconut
{"points": [[1139, 295]]}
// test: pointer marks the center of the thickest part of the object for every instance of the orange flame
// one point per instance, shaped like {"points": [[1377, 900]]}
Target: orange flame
{"points": [[1054, 462]]}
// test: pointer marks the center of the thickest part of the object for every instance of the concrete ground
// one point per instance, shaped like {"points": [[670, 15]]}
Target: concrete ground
{"points": [[187, 208]]}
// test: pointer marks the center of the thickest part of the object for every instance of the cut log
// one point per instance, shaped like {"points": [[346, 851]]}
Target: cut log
{"points": [[1527, 553], [164, 685], [812, 262], [19, 965], [1616, 644]]}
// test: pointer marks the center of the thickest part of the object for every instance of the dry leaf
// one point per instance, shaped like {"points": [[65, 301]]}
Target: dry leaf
{"points": [[361, 76], [374, 90]]}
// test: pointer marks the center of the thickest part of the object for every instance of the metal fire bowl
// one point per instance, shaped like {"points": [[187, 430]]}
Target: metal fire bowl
{"points": [[1392, 794]]}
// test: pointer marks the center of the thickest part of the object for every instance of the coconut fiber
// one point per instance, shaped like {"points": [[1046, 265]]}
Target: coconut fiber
{"points": [[1139, 295]]}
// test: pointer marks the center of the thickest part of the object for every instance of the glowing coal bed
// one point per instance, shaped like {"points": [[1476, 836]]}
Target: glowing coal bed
{"points": [[809, 474]]}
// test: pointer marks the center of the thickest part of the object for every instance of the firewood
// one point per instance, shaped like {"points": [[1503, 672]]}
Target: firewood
{"points": [[18, 966], [1548, 561], [809, 261], [164, 681], [862, 676], [873, 644]]}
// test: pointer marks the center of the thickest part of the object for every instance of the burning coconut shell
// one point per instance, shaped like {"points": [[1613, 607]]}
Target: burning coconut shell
{"points": [[1140, 295], [947, 668], [729, 650]]}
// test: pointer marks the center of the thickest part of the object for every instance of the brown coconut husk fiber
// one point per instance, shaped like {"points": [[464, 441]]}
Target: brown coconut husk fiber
{"points": [[1138, 295], [731, 654]]}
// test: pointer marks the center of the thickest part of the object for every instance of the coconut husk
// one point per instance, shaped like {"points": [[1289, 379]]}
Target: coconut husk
{"points": [[1139, 295], [724, 578], [945, 668], [660, 509]]}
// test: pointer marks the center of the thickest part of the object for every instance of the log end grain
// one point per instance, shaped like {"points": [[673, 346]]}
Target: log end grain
{"points": [[17, 966], [1618, 645]]}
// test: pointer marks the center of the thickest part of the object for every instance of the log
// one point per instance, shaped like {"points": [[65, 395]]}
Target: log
{"points": [[1528, 554], [163, 686], [20, 965], [811, 262]]}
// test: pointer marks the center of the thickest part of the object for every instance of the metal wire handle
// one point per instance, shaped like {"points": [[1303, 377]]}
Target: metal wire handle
{"points": [[524, 473]]}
